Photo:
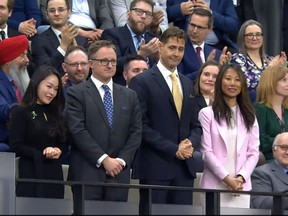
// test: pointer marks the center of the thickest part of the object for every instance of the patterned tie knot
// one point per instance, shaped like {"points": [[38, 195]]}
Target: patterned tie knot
{"points": [[107, 100], [139, 39]]}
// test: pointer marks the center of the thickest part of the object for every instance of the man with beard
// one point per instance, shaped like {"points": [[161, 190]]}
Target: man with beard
{"points": [[135, 37], [14, 80]]}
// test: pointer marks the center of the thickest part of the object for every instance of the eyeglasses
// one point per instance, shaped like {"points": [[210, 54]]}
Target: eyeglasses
{"points": [[251, 36], [283, 147], [59, 10], [140, 12], [105, 62], [77, 64], [200, 28]]}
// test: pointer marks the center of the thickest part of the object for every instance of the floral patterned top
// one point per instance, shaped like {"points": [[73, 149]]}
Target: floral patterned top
{"points": [[251, 71]]}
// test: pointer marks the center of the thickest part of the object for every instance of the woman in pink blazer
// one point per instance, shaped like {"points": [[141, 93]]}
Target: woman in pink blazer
{"points": [[230, 140]]}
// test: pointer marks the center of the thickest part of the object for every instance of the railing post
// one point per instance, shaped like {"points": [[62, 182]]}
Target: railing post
{"points": [[212, 203], [278, 207], [78, 200]]}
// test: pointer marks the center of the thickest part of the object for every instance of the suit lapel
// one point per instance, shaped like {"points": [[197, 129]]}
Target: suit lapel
{"points": [[95, 95], [128, 40], [187, 95], [279, 173], [117, 95]]}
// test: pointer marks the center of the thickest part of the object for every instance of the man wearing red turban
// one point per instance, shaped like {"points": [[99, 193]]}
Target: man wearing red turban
{"points": [[14, 80]]}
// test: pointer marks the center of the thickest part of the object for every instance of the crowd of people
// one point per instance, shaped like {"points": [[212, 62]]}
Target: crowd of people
{"points": [[160, 88]]}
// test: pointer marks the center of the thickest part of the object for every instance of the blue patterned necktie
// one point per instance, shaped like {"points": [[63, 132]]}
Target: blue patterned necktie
{"points": [[107, 100]]}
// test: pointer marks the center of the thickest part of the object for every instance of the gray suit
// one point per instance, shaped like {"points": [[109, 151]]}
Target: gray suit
{"points": [[268, 178], [92, 137]]}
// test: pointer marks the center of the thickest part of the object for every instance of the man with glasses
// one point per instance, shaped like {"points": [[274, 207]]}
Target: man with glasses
{"points": [[135, 37], [197, 51], [50, 46], [272, 177], [104, 120]]}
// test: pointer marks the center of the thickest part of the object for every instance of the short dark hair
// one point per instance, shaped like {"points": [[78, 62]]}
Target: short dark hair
{"points": [[66, 1], [10, 5], [95, 46], [133, 58], [134, 2], [204, 13], [172, 31], [73, 48]]}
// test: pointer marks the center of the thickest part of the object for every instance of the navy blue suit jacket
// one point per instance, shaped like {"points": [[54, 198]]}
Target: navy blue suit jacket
{"points": [[121, 37], [7, 101], [162, 129], [190, 64], [44, 49], [225, 18]]}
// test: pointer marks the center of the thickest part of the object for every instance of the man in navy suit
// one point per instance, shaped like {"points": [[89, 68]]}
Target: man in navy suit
{"points": [[272, 177], [50, 46], [200, 25], [135, 37], [171, 132]]}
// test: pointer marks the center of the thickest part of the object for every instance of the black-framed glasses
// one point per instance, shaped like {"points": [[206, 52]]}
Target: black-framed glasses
{"points": [[59, 10], [200, 28], [140, 12], [251, 36], [283, 147], [105, 62], [77, 64]]}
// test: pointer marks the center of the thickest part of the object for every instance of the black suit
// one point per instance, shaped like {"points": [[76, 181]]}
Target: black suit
{"points": [[121, 37], [155, 161], [44, 49]]}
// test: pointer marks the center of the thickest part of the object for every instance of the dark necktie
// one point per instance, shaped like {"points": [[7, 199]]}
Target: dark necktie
{"points": [[17, 92], [198, 51], [139, 39], [2, 33], [107, 100]]}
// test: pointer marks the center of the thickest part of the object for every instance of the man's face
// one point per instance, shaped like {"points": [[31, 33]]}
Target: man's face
{"points": [[140, 17], [135, 67], [103, 64], [171, 53], [18, 71], [198, 29], [76, 65], [4, 13], [280, 151], [57, 13]]}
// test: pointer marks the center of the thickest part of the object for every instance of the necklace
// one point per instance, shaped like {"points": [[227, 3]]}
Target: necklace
{"points": [[45, 116], [233, 118]]}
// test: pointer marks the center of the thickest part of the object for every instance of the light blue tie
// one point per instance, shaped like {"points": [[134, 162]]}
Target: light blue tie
{"points": [[107, 100]]}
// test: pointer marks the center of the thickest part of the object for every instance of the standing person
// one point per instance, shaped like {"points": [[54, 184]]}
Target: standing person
{"points": [[251, 56], [204, 85], [272, 106], [38, 134], [105, 131], [14, 80], [171, 132], [230, 140], [133, 66], [135, 37], [272, 177]]}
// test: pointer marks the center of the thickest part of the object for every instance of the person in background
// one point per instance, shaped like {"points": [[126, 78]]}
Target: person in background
{"points": [[75, 66], [25, 17], [91, 17], [133, 66], [225, 18], [204, 85], [135, 37], [119, 9], [171, 132], [38, 134], [272, 106], [251, 56], [49, 47], [104, 120], [272, 177], [14, 80], [230, 140]]}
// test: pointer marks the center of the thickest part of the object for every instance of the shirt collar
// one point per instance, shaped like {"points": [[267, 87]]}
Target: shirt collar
{"points": [[165, 72], [99, 84]]}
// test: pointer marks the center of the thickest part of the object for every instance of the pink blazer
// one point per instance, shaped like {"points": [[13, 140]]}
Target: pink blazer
{"points": [[213, 146]]}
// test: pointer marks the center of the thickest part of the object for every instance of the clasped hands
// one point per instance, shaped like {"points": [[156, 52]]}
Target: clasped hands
{"points": [[185, 150], [112, 166], [52, 152], [234, 183]]}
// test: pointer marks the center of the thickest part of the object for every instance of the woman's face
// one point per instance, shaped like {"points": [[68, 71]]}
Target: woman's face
{"points": [[208, 78], [282, 87], [253, 37], [231, 84], [47, 89]]}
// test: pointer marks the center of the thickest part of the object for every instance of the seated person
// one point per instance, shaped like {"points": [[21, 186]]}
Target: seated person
{"points": [[25, 17], [92, 17], [272, 177]]}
